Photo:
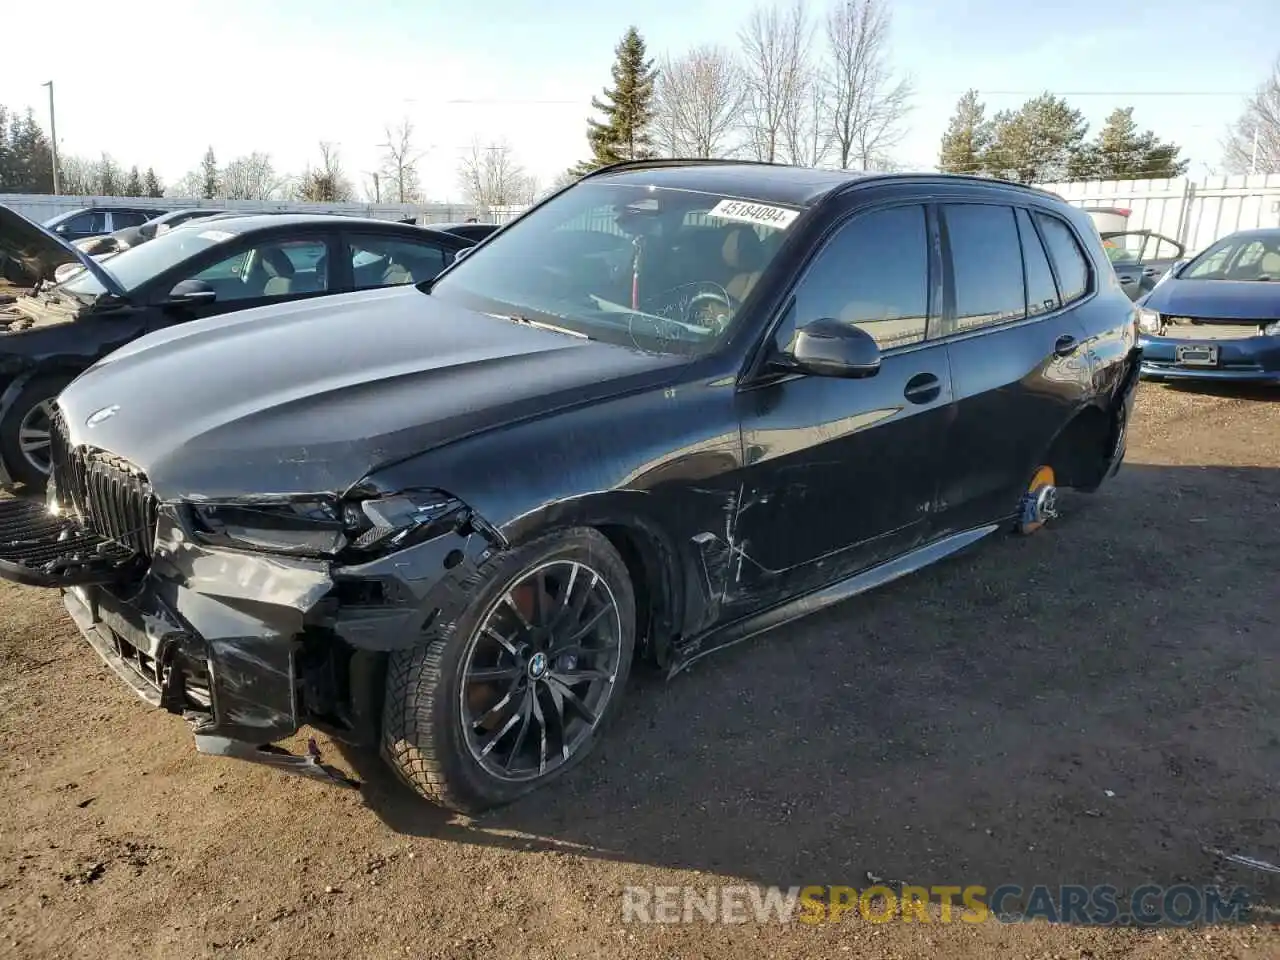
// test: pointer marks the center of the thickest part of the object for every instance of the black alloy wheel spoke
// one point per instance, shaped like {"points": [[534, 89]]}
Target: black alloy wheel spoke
{"points": [[539, 670]]}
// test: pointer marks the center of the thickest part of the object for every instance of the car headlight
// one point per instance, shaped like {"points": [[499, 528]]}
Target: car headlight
{"points": [[297, 527], [1272, 329], [401, 520], [321, 527], [1148, 320]]}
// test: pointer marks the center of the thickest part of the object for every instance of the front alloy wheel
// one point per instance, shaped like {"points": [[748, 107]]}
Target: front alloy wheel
{"points": [[540, 670], [34, 437], [517, 688]]}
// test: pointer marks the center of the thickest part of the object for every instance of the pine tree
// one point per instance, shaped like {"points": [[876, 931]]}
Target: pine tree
{"points": [[151, 184], [1037, 143], [133, 186], [6, 156], [966, 138], [209, 175], [30, 157], [1121, 152], [627, 109]]}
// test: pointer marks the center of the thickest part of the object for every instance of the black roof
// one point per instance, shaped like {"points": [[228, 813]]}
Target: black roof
{"points": [[258, 221], [768, 182]]}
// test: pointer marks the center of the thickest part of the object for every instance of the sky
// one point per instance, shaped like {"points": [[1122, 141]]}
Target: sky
{"points": [[156, 83]]}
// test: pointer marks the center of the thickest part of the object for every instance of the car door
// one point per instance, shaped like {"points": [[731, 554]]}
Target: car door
{"points": [[1158, 255], [90, 223], [251, 273], [126, 218], [1126, 252], [841, 473], [387, 261], [1019, 361]]}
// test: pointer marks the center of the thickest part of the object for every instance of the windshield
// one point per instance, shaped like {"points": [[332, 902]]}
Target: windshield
{"points": [[1250, 257], [662, 270], [137, 265]]}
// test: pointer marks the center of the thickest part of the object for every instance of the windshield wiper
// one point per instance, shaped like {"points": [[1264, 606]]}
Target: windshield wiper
{"points": [[521, 319]]}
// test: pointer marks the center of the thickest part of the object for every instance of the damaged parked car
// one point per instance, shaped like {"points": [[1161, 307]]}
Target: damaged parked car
{"points": [[1217, 317], [669, 407], [57, 330]]}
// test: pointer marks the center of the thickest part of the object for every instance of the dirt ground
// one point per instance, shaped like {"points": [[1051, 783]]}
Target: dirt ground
{"points": [[963, 726]]}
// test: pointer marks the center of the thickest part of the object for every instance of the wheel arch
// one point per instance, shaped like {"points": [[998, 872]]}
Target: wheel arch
{"points": [[647, 549], [1078, 452]]}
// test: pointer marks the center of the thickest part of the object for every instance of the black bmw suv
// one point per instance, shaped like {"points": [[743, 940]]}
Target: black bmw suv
{"points": [[670, 407]]}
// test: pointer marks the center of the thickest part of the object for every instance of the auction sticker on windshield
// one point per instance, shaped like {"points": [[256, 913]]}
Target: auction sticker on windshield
{"points": [[759, 213]]}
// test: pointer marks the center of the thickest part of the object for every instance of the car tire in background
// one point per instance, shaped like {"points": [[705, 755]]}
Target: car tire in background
{"points": [[24, 432], [518, 688]]}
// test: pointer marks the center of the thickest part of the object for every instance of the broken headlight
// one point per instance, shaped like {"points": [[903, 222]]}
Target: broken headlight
{"points": [[400, 520], [1148, 320], [298, 527]]}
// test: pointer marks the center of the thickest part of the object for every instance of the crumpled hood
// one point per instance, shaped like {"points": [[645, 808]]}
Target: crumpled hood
{"points": [[1221, 299], [310, 396], [40, 252]]}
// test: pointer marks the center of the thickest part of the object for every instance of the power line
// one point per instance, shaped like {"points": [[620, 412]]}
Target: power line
{"points": [[1117, 93]]}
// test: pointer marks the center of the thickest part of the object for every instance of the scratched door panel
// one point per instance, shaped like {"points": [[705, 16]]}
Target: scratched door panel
{"points": [[841, 473]]}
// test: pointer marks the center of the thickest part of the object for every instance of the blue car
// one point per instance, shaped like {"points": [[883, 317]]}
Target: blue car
{"points": [[1217, 317]]}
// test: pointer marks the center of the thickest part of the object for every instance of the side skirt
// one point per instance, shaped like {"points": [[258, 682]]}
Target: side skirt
{"points": [[756, 624]]}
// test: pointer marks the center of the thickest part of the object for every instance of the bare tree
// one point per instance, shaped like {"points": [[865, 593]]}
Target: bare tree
{"points": [[189, 185], [807, 127], [868, 103], [775, 47], [328, 182], [699, 99], [490, 176], [1252, 144], [399, 183], [252, 177], [78, 176]]}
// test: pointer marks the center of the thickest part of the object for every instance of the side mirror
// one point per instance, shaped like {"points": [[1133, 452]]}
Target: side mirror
{"points": [[60, 229], [1177, 268], [192, 291], [829, 348], [462, 253]]}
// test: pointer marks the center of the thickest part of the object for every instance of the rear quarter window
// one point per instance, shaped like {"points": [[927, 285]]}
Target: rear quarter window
{"points": [[1069, 260]]}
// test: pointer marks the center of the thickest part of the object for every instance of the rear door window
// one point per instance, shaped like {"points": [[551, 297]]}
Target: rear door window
{"points": [[1042, 293], [394, 261], [986, 262]]}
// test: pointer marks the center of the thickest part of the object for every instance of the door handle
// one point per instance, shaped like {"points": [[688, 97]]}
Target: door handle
{"points": [[1065, 345], [923, 388]]}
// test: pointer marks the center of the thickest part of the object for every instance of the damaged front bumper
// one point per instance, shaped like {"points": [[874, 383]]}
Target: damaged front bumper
{"points": [[248, 647]]}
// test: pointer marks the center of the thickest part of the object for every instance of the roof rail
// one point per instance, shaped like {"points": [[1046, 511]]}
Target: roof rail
{"points": [[641, 164]]}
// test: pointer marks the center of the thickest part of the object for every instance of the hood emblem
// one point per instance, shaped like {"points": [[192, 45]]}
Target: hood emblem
{"points": [[106, 413]]}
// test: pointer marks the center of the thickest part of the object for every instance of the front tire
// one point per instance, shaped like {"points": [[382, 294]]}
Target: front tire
{"points": [[25, 432], [518, 688]]}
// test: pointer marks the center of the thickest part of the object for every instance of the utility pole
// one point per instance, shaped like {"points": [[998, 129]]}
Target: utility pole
{"points": [[1253, 162], [53, 132]]}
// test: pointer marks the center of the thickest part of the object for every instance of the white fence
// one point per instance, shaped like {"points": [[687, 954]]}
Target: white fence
{"points": [[1193, 212], [42, 207]]}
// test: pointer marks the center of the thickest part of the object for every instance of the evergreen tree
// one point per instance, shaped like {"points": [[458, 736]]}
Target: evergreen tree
{"points": [[1122, 152], [966, 137], [1037, 143], [6, 155], [133, 186], [30, 159], [627, 108], [210, 181], [110, 178], [151, 184]]}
